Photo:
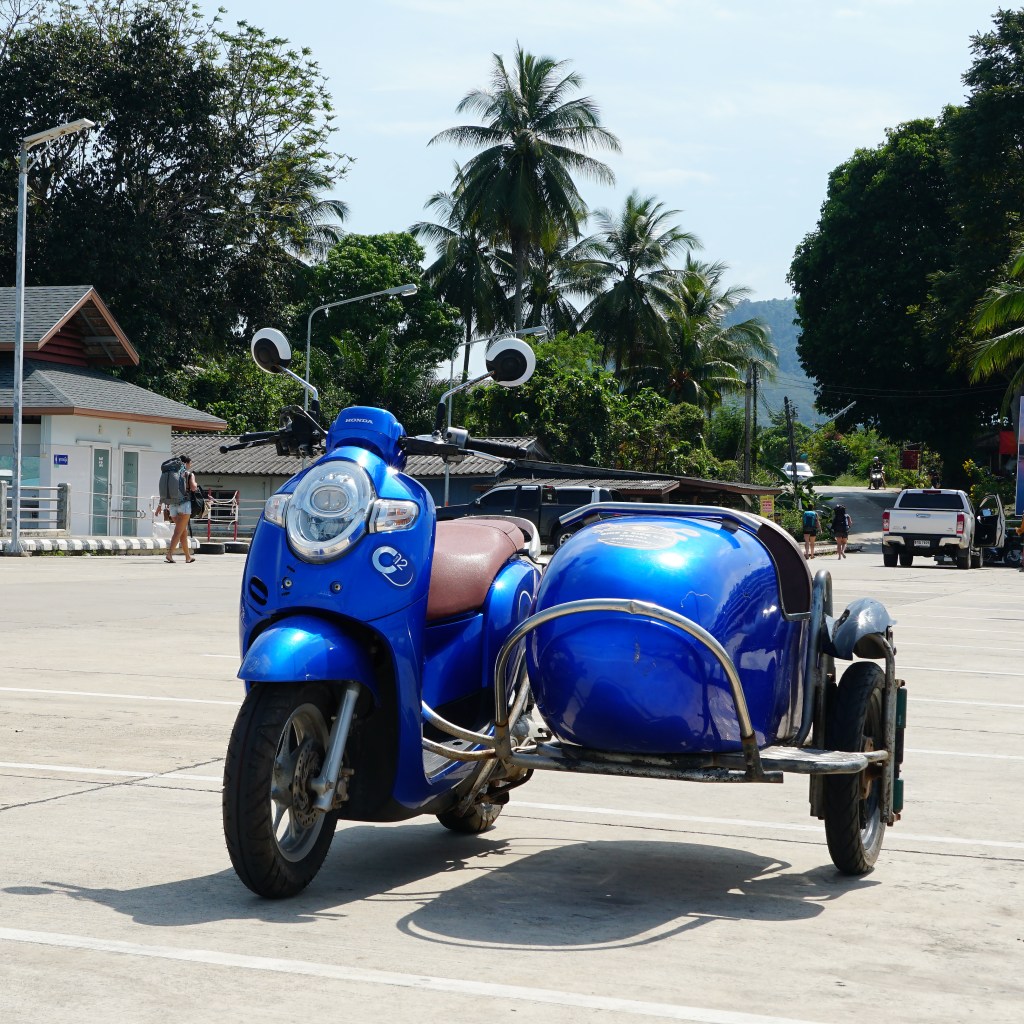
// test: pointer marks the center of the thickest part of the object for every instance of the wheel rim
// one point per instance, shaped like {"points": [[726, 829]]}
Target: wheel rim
{"points": [[299, 758]]}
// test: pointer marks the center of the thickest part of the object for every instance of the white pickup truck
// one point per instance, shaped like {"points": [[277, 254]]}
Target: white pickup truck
{"points": [[940, 522]]}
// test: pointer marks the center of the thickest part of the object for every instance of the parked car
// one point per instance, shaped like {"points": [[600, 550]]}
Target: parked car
{"points": [[936, 522], [541, 503], [803, 470]]}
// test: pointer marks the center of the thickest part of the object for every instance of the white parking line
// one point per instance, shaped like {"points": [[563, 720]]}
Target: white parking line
{"points": [[968, 703], [694, 819], [115, 696], [393, 979], [956, 671]]}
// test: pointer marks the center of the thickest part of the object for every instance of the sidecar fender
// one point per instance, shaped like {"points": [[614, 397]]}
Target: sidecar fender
{"points": [[307, 648], [861, 630]]}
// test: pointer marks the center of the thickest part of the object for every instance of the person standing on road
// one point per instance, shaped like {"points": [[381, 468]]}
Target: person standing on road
{"points": [[841, 523], [811, 525], [180, 512]]}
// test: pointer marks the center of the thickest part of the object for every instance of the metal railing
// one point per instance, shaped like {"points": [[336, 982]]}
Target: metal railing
{"points": [[45, 511]]}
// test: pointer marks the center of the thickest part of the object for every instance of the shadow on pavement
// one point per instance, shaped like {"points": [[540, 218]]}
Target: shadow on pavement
{"points": [[578, 895]]}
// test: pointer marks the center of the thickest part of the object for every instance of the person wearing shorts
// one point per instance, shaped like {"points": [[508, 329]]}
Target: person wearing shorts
{"points": [[811, 525], [841, 524]]}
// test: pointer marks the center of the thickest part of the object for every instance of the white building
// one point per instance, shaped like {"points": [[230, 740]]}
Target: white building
{"points": [[83, 427]]}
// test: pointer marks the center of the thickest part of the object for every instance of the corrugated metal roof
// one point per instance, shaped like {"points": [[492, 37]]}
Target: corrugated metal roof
{"points": [[628, 486], [207, 457], [53, 386]]}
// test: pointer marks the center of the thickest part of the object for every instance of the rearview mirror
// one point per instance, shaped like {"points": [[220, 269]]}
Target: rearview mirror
{"points": [[271, 350], [510, 362]]}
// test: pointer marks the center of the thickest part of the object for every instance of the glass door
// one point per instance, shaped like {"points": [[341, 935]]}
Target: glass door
{"points": [[129, 494], [100, 492]]}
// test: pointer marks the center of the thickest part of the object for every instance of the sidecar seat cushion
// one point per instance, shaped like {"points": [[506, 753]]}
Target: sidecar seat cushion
{"points": [[790, 566], [467, 556]]}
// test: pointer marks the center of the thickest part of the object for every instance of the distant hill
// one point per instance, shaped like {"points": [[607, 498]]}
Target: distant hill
{"points": [[779, 315]]}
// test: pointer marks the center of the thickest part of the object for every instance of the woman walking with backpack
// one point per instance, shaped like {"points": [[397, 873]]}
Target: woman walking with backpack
{"points": [[811, 525], [841, 523], [175, 490]]}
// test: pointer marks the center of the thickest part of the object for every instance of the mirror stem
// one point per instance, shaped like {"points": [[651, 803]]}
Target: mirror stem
{"points": [[441, 405]]}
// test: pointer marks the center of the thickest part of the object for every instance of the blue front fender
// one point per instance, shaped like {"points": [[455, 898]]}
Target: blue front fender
{"points": [[307, 648]]}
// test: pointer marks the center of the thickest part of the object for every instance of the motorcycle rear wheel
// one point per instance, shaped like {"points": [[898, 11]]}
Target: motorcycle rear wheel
{"points": [[854, 827], [276, 841]]}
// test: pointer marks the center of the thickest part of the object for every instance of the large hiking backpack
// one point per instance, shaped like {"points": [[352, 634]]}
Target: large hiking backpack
{"points": [[810, 520], [839, 518], [173, 478]]}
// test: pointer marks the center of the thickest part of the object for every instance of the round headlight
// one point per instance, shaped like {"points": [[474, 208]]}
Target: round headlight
{"points": [[328, 510]]}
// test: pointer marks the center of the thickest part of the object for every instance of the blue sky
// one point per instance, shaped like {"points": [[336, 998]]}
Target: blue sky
{"points": [[731, 112]]}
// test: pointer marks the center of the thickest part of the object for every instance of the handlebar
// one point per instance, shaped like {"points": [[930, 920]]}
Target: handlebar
{"points": [[460, 443], [263, 437], [503, 451]]}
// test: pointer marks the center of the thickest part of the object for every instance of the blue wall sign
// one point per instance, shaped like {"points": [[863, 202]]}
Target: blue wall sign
{"points": [[60, 460]]}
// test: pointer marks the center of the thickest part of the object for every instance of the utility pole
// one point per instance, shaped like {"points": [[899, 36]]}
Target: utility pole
{"points": [[792, 452], [753, 420], [746, 423]]}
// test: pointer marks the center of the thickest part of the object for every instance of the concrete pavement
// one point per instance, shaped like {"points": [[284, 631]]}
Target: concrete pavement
{"points": [[593, 899]]}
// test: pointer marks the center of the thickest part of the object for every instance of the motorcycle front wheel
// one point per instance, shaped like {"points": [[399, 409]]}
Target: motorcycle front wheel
{"points": [[276, 840]]}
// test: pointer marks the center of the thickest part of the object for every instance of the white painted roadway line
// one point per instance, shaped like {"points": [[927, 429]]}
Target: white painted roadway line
{"points": [[894, 836], [602, 812], [115, 696], [900, 668], [967, 703], [393, 979]]}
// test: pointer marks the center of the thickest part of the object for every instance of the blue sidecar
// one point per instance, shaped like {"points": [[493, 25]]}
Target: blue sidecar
{"points": [[691, 643]]}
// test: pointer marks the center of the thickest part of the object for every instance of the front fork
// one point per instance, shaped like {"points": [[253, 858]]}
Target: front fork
{"points": [[330, 788]]}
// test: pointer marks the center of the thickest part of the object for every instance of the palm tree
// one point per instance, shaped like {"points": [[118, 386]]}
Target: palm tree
{"points": [[636, 286], [1002, 307], [708, 358], [465, 273], [534, 138]]}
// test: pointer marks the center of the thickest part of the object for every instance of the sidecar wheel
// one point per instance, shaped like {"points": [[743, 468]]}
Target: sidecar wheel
{"points": [[479, 818], [275, 839], [853, 813]]}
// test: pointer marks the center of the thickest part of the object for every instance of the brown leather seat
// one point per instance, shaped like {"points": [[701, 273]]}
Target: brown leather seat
{"points": [[467, 556]]}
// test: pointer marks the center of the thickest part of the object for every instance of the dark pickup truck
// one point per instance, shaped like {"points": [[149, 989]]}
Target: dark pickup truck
{"points": [[541, 503]]}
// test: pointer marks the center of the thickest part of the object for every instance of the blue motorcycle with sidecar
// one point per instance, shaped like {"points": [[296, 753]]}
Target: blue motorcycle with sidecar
{"points": [[397, 666]]}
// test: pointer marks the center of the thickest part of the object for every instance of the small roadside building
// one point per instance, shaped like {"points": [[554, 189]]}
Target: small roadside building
{"points": [[98, 438]]}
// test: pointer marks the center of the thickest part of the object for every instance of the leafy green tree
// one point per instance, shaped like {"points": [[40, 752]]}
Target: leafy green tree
{"points": [[535, 136], [465, 273], [862, 278], [189, 203], [635, 284], [382, 351]]}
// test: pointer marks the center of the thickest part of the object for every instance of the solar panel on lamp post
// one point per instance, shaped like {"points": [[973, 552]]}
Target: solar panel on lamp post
{"points": [[27, 143]]}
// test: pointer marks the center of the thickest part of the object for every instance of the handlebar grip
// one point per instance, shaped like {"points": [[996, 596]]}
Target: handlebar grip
{"points": [[503, 451], [419, 446]]}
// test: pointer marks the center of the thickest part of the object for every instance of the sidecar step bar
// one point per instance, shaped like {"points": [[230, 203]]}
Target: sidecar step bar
{"points": [[728, 767]]}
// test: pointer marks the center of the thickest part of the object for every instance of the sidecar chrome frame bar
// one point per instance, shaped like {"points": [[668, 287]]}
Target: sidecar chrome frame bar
{"points": [[489, 741], [502, 732], [814, 673]]}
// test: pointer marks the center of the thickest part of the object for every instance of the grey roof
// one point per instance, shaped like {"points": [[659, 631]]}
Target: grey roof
{"points": [[48, 308], [264, 460], [70, 389], [207, 458], [627, 486]]}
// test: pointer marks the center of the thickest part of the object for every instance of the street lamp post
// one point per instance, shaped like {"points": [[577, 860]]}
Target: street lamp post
{"points": [[402, 289], [27, 143]]}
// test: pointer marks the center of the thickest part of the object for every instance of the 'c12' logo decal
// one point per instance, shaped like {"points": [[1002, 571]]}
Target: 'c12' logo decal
{"points": [[393, 566]]}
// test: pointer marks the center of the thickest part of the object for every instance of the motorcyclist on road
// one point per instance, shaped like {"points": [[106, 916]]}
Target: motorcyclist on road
{"points": [[876, 467]]}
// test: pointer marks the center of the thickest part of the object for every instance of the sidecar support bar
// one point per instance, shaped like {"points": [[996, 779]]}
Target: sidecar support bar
{"points": [[751, 754]]}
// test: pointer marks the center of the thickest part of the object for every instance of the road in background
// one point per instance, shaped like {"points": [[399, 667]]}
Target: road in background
{"points": [[593, 899]]}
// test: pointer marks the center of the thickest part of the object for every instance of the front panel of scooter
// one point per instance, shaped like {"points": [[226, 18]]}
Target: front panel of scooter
{"points": [[626, 683]]}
